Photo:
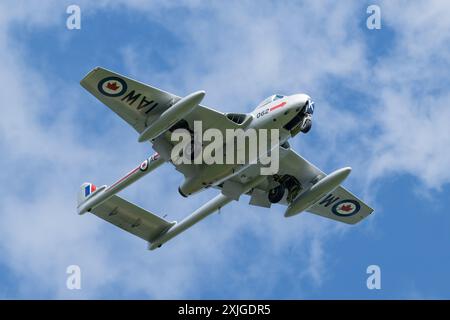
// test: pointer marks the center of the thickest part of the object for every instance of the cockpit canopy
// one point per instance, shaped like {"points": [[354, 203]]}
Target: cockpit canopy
{"points": [[270, 99]]}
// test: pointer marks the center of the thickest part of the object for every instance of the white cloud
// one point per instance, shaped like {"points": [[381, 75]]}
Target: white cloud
{"points": [[40, 232], [411, 86], [244, 51]]}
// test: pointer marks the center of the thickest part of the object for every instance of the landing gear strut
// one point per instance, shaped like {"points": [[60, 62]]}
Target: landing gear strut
{"points": [[286, 182], [306, 125]]}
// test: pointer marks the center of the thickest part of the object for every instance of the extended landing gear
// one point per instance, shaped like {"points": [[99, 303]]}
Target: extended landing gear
{"points": [[300, 123], [307, 120], [276, 194], [306, 124], [286, 182]]}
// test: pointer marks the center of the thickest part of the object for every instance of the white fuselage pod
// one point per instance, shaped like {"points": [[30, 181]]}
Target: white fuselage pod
{"points": [[317, 191], [172, 115], [273, 115], [104, 193]]}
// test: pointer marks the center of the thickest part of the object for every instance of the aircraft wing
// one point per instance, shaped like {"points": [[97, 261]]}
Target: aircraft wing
{"points": [[340, 204], [132, 218], [139, 104]]}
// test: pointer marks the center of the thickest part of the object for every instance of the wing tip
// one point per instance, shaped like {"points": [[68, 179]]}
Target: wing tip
{"points": [[88, 75]]}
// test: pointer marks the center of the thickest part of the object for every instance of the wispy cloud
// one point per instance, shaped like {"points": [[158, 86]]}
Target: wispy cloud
{"points": [[238, 52]]}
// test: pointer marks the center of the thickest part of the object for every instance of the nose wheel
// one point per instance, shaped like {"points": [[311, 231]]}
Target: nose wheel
{"points": [[306, 125]]}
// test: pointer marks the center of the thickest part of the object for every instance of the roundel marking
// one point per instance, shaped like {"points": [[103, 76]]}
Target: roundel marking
{"points": [[144, 165], [112, 86], [346, 208]]}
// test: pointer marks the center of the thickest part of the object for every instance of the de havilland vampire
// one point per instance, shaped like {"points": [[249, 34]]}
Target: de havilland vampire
{"points": [[156, 114]]}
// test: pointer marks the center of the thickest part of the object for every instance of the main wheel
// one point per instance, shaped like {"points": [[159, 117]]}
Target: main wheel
{"points": [[306, 125], [276, 194]]}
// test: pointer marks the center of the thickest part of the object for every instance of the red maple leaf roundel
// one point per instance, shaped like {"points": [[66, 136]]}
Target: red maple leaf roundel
{"points": [[112, 86], [346, 207]]}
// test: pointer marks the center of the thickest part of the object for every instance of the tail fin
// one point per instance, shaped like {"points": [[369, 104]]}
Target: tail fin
{"points": [[86, 190]]}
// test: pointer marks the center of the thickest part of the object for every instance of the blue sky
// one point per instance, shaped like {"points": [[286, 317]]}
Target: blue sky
{"points": [[381, 107]]}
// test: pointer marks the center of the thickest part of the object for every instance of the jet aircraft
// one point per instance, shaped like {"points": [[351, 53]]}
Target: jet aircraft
{"points": [[156, 115]]}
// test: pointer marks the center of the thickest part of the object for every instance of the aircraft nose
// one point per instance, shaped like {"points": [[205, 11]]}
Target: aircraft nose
{"points": [[298, 101], [301, 99]]}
